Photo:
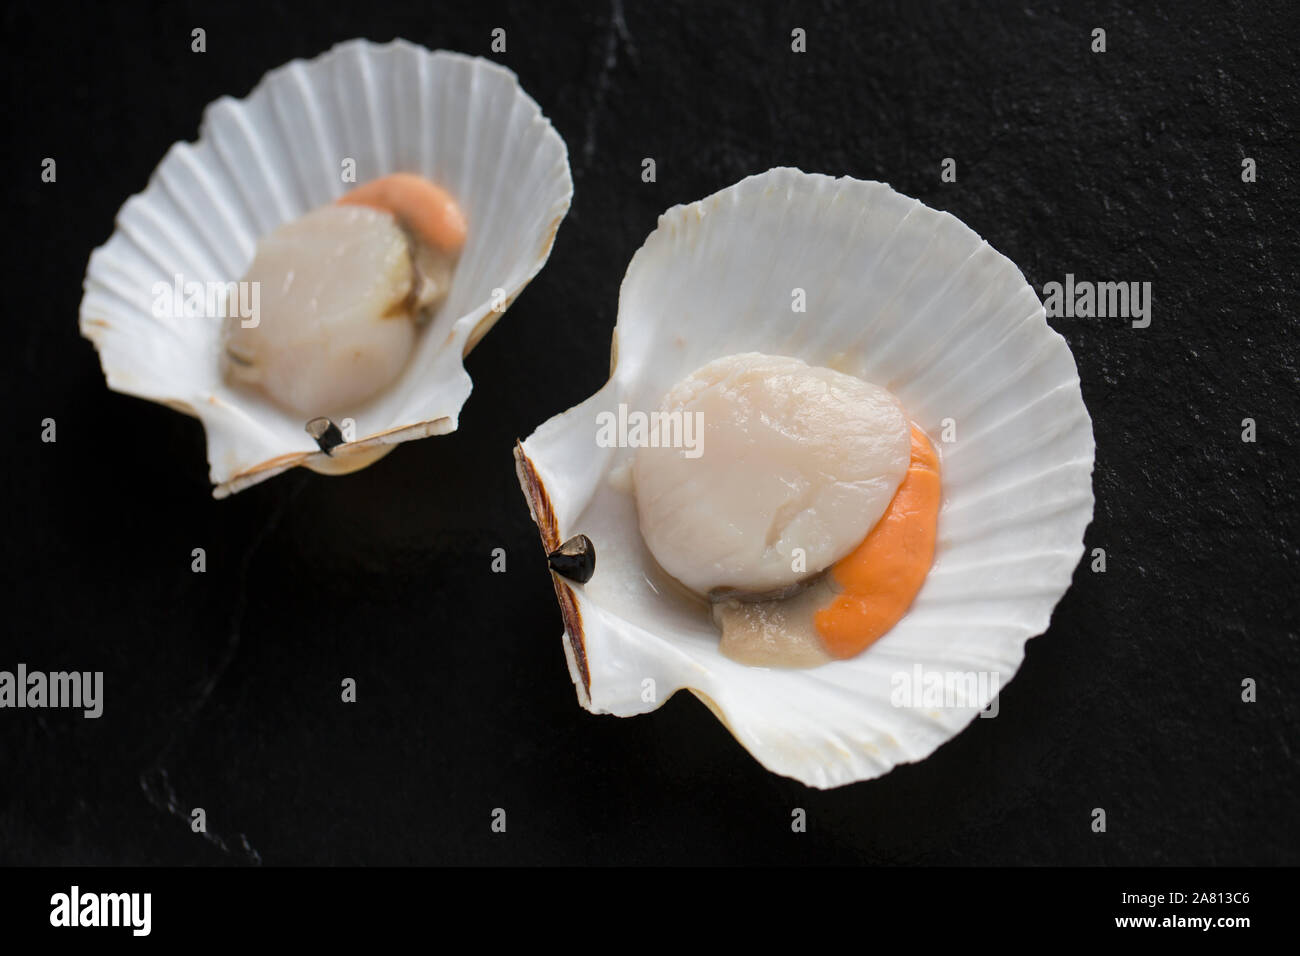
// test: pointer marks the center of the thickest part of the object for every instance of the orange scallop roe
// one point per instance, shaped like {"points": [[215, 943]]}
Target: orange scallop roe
{"points": [[881, 577], [423, 207]]}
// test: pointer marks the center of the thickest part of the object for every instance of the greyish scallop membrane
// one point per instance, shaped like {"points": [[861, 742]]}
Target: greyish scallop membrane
{"points": [[897, 295], [307, 134]]}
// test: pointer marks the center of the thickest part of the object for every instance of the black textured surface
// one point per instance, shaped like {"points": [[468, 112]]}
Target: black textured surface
{"points": [[222, 689]]}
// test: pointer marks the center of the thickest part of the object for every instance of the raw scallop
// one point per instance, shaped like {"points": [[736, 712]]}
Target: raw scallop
{"points": [[335, 323], [797, 464]]}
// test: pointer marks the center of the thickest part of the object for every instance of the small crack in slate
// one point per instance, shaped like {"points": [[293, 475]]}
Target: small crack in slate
{"points": [[615, 36], [155, 781]]}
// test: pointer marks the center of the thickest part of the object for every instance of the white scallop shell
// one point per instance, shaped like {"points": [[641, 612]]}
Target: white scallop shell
{"points": [[900, 295], [461, 121]]}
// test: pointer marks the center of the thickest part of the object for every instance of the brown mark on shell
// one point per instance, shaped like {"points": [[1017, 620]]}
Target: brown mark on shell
{"points": [[539, 503]]}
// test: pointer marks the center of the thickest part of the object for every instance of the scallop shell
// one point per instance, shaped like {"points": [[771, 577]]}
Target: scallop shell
{"points": [[898, 294], [461, 121]]}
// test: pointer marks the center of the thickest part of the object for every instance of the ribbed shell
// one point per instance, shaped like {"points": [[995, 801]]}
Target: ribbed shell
{"points": [[900, 295], [462, 121]]}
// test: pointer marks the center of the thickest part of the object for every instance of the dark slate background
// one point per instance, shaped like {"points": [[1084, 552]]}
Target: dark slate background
{"points": [[222, 689]]}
